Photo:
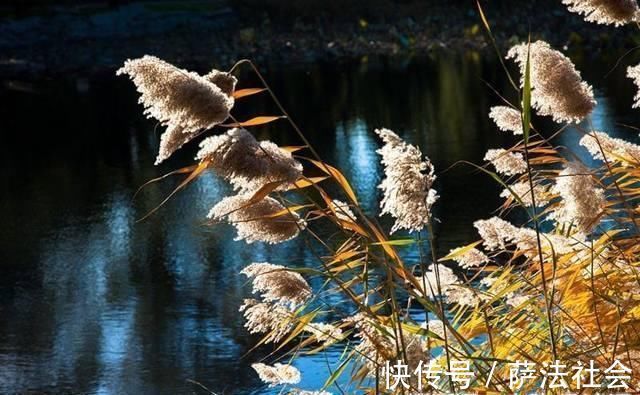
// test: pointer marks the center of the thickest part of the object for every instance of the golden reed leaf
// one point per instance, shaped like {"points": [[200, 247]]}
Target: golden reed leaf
{"points": [[240, 93]]}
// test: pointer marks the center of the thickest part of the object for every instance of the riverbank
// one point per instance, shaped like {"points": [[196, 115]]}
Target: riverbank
{"points": [[201, 34]]}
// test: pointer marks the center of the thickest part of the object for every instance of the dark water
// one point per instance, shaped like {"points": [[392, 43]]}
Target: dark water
{"points": [[93, 302]]}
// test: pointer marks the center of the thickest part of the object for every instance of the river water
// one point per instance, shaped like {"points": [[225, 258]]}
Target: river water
{"points": [[92, 301]]}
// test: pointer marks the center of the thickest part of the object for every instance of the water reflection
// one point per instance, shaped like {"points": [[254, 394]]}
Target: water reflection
{"points": [[93, 302]]}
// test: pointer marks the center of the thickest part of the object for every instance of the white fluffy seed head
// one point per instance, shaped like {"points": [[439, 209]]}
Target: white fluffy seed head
{"points": [[407, 186], [276, 283], [633, 72], [506, 162], [265, 221], [507, 119], [557, 90], [183, 101], [273, 320], [248, 164], [497, 234], [582, 199], [606, 12], [435, 326], [342, 211], [446, 276], [616, 150], [277, 374], [472, 257]]}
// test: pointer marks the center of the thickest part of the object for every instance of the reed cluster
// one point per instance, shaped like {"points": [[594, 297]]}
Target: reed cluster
{"points": [[559, 286]]}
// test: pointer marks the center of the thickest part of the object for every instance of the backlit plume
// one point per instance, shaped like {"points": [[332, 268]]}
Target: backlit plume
{"points": [[248, 164], [506, 162], [277, 374], [497, 234], [605, 12], [614, 149], [444, 276], [582, 200], [266, 221], [557, 90], [183, 101], [277, 284], [472, 257], [407, 186], [271, 319], [434, 326], [342, 210], [634, 73], [507, 119]]}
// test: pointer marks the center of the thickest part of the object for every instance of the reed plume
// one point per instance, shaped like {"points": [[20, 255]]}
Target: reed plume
{"points": [[605, 12], [183, 101], [507, 119], [601, 145], [277, 374], [633, 72], [273, 320], [407, 186], [506, 162], [557, 89], [248, 164], [469, 258], [277, 284], [265, 221], [582, 200]]}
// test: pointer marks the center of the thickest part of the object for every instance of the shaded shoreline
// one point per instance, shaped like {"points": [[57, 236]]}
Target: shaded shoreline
{"points": [[81, 42]]}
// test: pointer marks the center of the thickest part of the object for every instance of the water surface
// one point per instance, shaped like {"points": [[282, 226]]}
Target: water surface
{"points": [[93, 302]]}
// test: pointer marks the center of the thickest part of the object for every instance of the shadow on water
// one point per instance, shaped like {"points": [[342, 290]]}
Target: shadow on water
{"points": [[93, 302]]}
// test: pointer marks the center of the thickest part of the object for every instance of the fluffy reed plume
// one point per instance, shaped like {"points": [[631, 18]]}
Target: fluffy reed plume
{"points": [[605, 12], [582, 200], [516, 299], [523, 190], [324, 333], [633, 72], [497, 234], [507, 119], [277, 374], [434, 326], [305, 392], [277, 284], [462, 296], [223, 80], [506, 162], [407, 186], [342, 210], [183, 101], [447, 280], [614, 149], [248, 164], [273, 320], [472, 257], [494, 232], [376, 342], [557, 89], [266, 220]]}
